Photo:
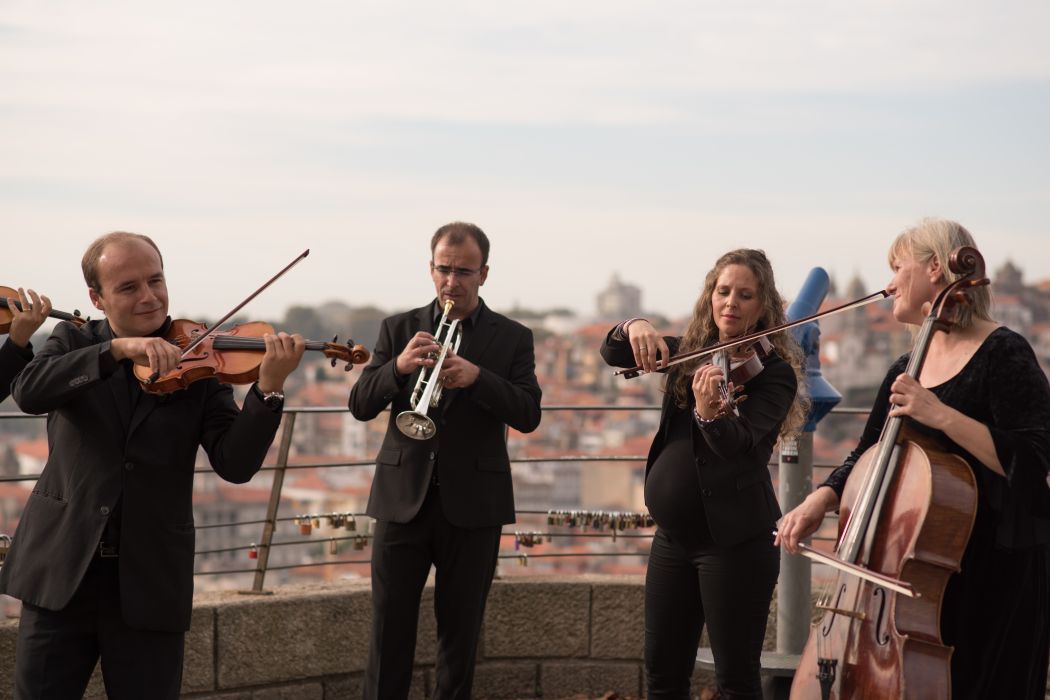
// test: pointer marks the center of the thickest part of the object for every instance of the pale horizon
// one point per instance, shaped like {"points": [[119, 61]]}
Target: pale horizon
{"points": [[586, 140]]}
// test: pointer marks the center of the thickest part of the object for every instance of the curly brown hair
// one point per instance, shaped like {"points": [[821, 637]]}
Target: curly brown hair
{"points": [[702, 331]]}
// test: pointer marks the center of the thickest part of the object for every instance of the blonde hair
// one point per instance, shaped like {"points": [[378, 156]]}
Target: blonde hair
{"points": [[935, 239], [702, 331]]}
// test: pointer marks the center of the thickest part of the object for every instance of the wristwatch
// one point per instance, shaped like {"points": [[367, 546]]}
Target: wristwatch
{"points": [[274, 400]]}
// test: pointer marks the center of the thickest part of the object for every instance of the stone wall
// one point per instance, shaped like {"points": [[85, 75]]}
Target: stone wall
{"points": [[543, 636]]}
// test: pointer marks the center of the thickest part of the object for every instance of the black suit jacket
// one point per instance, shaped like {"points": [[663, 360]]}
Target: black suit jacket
{"points": [[469, 449], [100, 451], [731, 453], [13, 360]]}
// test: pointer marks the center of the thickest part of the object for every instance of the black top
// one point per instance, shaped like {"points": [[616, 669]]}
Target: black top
{"points": [[996, 610], [13, 360], [672, 489], [730, 456], [1003, 387], [101, 451], [474, 466]]}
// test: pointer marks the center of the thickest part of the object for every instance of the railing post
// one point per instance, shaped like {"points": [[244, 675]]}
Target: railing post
{"points": [[287, 428], [794, 602], [793, 589]]}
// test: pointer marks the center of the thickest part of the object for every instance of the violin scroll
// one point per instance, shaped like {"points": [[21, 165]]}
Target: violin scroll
{"points": [[349, 353]]}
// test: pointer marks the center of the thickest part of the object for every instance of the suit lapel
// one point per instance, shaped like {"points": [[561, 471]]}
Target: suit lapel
{"points": [[118, 385], [143, 407], [481, 337], [130, 416]]}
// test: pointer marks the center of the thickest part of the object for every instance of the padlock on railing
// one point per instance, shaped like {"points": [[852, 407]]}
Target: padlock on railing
{"points": [[253, 551], [5, 546]]}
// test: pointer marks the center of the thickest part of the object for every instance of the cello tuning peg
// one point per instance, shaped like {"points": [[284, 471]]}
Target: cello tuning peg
{"points": [[335, 338], [333, 362]]}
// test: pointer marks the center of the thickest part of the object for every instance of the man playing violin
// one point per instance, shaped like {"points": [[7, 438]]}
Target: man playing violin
{"points": [[443, 500], [28, 312], [103, 556]]}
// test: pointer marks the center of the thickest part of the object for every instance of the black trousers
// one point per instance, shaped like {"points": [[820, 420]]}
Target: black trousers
{"points": [[465, 561], [690, 584], [57, 651]]}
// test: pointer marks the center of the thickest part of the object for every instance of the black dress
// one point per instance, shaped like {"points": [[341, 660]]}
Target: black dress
{"points": [[996, 611]]}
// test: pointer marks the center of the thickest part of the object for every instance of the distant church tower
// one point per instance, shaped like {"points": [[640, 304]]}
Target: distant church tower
{"points": [[619, 300], [855, 322], [1008, 279]]}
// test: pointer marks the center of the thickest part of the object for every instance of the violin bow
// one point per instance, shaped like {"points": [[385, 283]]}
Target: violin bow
{"points": [[632, 372], [200, 338]]}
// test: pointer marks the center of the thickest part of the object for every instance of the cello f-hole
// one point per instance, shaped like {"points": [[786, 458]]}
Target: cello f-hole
{"points": [[826, 630], [882, 635]]}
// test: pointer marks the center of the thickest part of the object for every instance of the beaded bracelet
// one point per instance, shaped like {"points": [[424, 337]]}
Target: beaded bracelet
{"points": [[702, 422]]}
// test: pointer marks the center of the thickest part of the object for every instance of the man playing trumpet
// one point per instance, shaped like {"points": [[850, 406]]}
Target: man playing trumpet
{"points": [[442, 498]]}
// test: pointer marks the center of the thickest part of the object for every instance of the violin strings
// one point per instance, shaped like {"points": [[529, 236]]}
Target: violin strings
{"points": [[230, 342]]}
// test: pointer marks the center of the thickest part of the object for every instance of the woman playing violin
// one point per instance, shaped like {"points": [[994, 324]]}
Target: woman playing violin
{"points": [[982, 393], [707, 485], [27, 312]]}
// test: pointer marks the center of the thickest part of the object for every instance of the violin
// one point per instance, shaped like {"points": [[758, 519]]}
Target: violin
{"points": [[232, 356], [6, 315], [740, 365]]}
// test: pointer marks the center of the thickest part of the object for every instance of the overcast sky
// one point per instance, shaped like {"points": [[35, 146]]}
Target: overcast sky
{"points": [[584, 137]]}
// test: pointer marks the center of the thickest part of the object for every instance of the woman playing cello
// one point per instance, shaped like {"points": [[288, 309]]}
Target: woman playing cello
{"points": [[982, 394], [707, 485]]}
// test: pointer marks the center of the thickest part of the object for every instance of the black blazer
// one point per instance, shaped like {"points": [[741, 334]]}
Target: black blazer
{"points": [[100, 451], [732, 453], [13, 360], [469, 449]]}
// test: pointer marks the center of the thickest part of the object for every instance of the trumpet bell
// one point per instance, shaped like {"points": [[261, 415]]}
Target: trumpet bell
{"points": [[415, 425]]}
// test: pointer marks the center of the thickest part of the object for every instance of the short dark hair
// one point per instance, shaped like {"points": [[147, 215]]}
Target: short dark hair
{"points": [[89, 263], [457, 232]]}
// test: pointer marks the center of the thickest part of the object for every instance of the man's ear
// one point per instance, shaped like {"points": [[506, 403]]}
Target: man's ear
{"points": [[96, 299], [483, 275]]}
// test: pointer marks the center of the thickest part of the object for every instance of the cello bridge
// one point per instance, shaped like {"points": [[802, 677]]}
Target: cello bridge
{"points": [[856, 615]]}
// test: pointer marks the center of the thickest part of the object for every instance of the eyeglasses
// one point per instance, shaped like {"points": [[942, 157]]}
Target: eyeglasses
{"points": [[446, 271]]}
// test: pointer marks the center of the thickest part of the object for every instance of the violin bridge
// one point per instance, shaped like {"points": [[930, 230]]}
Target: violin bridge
{"points": [[845, 613]]}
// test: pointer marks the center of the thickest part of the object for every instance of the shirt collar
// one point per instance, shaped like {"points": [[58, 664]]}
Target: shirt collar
{"points": [[437, 309]]}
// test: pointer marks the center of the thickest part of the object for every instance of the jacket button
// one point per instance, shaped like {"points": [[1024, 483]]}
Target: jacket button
{"points": [[701, 461], [705, 492], [104, 510], [431, 456], [129, 466]]}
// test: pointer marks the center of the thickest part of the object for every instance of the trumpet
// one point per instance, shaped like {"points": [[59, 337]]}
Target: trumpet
{"points": [[426, 394]]}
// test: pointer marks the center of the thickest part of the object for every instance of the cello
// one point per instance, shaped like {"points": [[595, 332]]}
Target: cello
{"points": [[905, 519]]}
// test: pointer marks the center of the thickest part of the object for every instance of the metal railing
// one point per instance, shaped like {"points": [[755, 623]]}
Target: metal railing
{"points": [[262, 548]]}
